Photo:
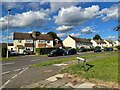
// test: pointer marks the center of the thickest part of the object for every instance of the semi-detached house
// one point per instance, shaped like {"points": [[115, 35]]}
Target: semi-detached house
{"points": [[24, 41]]}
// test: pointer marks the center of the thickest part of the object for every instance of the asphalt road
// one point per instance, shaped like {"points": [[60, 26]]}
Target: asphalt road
{"points": [[14, 70]]}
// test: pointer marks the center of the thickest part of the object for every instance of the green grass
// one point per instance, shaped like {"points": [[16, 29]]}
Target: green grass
{"points": [[105, 69], [70, 58], [54, 61], [8, 59]]}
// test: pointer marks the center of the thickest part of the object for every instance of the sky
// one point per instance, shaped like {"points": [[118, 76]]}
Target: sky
{"points": [[78, 19]]}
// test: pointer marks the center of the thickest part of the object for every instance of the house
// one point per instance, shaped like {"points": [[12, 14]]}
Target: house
{"points": [[24, 41], [109, 43], [116, 43], [74, 42], [100, 43]]}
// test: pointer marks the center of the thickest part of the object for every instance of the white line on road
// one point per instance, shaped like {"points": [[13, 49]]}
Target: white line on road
{"points": [[35, 60], [13, 78], [8, 63], [17, 70], [5, 72]]}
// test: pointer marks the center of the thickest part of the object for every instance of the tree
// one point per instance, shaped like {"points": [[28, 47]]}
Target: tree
{"points": [[35, 34], [97, 37], [54, 36]]}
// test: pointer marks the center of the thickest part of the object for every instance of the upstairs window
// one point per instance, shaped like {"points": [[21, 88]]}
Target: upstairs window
{"points": [[19, 41]]}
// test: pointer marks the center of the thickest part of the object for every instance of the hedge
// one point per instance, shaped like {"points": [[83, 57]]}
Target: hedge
{"points": [[42, 51]]}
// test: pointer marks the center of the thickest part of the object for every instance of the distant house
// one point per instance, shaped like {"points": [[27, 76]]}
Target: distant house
{"points": [[109, 43], [24, 41], [100, 43], [76, 42], [117, 43]]}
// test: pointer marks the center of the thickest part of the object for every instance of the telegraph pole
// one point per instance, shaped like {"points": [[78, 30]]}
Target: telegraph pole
{"points": [[8, 31]]}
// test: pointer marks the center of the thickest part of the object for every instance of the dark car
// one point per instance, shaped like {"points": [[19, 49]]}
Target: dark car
{"points": [[108, 49], [82, 49], [57, 52], [71, 52], [97, 49]]}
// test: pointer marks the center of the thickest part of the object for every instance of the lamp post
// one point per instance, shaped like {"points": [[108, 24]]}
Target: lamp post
{"points": [[8, 31]]}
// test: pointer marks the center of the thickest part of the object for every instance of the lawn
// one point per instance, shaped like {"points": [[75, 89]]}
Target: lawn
{"points": [[105, 69]]}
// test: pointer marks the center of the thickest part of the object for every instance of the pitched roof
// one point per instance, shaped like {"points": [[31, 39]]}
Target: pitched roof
{"points": [[100, 41], [110, 41], [22, 36], [80, 39]]}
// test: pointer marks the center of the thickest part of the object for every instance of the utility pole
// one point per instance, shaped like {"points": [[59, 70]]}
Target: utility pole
{"points": [[8, 32]]}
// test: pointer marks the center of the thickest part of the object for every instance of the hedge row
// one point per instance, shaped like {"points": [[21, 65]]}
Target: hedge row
{"points": [[42, 51]]}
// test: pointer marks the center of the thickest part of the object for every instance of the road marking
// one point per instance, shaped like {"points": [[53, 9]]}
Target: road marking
{"points": [[13, 78], [35, 60], [8, 63], [17, 70], [5, 72]]}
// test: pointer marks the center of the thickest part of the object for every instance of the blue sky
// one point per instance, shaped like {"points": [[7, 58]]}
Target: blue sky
{"points": [[78, 19]]}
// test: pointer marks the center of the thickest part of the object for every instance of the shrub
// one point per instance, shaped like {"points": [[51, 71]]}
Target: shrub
{"points": [[42, 51]]}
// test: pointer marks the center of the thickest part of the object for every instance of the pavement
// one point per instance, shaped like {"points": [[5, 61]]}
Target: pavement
{"points": [[18, 74]]}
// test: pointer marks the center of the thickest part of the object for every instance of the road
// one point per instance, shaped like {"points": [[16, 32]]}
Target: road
{"points": [[12, 71]]}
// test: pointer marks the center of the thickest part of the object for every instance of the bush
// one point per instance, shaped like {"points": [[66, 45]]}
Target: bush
{"points": [[42, 51]]}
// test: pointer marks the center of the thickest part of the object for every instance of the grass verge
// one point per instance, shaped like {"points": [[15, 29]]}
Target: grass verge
{"points": [[102, 69], [8, 59]]}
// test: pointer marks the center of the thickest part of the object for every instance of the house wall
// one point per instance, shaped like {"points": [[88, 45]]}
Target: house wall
{"points": [[17, 43], [116, 43], [69, 42], [94, 44], [44, 43], [108, 44], [82, 44], [10, 48]]}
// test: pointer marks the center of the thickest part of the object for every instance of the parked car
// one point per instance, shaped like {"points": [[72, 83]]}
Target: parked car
{"points": [[97, 49], [108, 49], [13, 53], [82, 49], [71, 52], [27, 52], [57, 52]]}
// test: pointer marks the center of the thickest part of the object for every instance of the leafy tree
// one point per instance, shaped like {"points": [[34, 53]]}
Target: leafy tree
{"points": [[97, 37], [54, 36]]}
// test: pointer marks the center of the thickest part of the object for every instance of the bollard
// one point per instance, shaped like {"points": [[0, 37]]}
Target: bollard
{"points": [[84, 62]]}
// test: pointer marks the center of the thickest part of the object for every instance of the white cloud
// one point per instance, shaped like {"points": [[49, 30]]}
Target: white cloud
{"points": [[26, 19], [64, 28], [112, 37], [75, 15], [75, 34], [57, 5], [62, 35], [110, 13], [88, 30]]}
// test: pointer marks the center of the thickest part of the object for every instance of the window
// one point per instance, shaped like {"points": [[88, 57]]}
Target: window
{"points": [[19, 41], [28, 41], [42, 41]]}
